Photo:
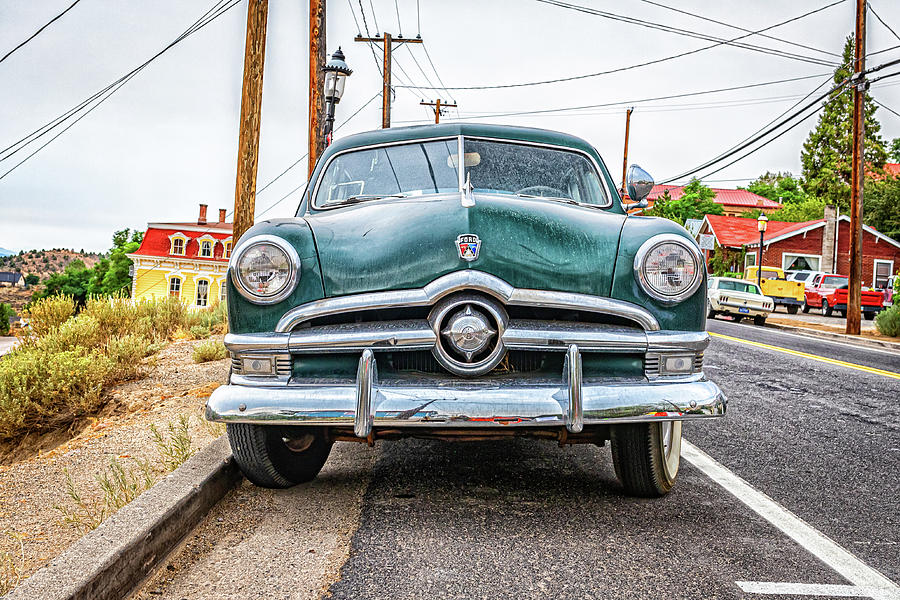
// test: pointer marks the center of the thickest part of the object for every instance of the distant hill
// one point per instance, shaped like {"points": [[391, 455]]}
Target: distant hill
{"points": [[41, 263], [5, 252]]}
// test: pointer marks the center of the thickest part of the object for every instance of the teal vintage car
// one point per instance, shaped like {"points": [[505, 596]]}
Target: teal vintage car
{"points": [[465, 282]]}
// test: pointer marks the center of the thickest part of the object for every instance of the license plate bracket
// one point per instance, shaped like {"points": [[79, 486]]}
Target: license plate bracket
{"points": [[743, 310]]}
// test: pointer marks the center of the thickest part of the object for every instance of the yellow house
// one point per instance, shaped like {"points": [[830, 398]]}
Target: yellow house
{"points": [[185, 260]]}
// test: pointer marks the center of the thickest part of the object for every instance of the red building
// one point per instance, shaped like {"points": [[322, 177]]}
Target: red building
{"points": [[820, 245], [734, 202]]}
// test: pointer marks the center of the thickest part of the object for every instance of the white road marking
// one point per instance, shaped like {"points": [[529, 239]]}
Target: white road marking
{"points": [[818, 339], [816, 543], [805, 589]]}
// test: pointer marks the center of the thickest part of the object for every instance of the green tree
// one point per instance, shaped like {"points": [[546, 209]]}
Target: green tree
{"points": [[32, 279], [894, 152], [881, 205], [778, 187], [806, 210], [6, 313], [110, 274], [827, 152], [74, 281], [696, 201]]}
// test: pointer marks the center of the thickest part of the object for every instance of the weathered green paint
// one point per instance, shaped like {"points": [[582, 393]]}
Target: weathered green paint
{"points": [[689, 315], [246, 317], [407, 243], [445, 130]]}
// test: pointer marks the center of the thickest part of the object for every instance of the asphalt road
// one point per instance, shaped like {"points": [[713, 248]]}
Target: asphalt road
{"points": [[7, 344], [525, 519]]}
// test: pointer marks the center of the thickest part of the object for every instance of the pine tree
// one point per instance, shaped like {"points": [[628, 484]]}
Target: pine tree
{"points": [[827, 155]]}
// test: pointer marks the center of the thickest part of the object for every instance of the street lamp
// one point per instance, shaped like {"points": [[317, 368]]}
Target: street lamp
{"points": [[761, 223], [336, 72]]}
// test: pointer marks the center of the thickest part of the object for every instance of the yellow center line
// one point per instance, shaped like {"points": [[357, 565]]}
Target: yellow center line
{"points": [[830, 361]]}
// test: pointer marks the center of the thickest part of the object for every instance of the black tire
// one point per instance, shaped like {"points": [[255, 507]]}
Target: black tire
{"points": [[870, 315], [793, 309], [265, 458], [805, 307], [843, 314], [640, 457], [759, 320], [710, 313], [826, 310], [737, 318]]}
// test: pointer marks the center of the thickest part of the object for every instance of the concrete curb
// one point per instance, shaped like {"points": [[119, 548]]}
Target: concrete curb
{"points": [[849, 339], [111, 561]]}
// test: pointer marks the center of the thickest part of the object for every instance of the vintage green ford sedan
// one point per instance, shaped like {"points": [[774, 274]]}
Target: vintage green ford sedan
{"points": [[465, 282]]}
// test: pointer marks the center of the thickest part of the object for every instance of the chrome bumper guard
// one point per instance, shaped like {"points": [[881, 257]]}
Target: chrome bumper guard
{"points": [[455, 402]]}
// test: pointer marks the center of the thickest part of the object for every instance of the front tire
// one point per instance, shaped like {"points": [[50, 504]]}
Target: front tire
{"points": [[805, 307], [759, 320], [870, 315], [793, 308], [276, 456], [710, 313], [646, 457], [826, 310]]}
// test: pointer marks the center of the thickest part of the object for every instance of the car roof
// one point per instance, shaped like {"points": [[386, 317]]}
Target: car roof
{"points": [[735, 279], [443, 130]]}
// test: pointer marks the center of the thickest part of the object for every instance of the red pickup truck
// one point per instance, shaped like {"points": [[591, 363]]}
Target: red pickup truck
{"points": [[829, 293]]}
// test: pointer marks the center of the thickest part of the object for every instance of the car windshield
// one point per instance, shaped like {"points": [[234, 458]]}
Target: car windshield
{"points": [[411, 169], [834, 281], [738, 286], [510, 168], [770, 274]]}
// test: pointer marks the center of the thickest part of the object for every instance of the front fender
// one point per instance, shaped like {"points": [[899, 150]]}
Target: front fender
{"points": [[245, 316]]}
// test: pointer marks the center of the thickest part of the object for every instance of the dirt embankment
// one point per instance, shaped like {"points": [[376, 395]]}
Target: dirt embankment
{"points": [[35, 473]]}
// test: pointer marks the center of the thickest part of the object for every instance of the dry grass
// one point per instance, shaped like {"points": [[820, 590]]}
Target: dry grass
{"points": [[209, 350], [59, 371], [12, 564], [121, 484]]}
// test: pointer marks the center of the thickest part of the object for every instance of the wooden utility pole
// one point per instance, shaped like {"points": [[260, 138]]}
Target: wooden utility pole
{"points": [[625, 157], [438, 105], [317, 59], [854, 290], [251, 109], [387, 42]]}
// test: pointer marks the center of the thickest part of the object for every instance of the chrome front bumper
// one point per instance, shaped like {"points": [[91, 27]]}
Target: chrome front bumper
{"points": [[454, 402]]}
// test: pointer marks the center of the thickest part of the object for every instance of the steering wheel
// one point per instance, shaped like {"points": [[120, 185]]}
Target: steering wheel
{"points": [[537, 190]]}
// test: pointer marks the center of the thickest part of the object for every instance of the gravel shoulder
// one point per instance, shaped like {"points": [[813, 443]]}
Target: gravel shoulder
{"points": [[31, 487]]}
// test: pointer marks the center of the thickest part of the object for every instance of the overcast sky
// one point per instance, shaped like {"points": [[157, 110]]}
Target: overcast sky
{"points": [[167, 140]]}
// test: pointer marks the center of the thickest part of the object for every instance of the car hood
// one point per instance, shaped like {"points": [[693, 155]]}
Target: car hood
{"points": [[409, 242]]}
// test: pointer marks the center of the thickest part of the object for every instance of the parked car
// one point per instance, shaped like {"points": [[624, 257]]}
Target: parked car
{"points": [[782, 291], [738, 298], [806, 277], [889, 291], [465, 282], [829, 293]]}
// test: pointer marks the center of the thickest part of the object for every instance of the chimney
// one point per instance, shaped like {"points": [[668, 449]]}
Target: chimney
{"points": [[201, 220], [222, 215], [829, 239]]}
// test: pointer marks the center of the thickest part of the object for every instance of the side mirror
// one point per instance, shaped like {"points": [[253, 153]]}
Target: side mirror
{"points": [[639, 184]]}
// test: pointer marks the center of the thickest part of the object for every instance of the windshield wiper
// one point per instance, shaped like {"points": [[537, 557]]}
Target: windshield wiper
{"points": [[553, 198], [365, 197]]}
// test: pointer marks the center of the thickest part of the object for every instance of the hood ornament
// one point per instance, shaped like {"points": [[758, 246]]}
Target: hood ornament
{"points": [[468, 197], [468, 246]]}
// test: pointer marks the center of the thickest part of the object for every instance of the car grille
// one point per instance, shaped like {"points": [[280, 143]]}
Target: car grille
{"points": [[516, 361]]}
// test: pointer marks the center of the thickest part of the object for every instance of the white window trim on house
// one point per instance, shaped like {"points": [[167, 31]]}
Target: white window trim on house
{"points": [[786, 263], [875, 269], [749, 260], [197, 281], [228, 245], [212, 246], [178, 236]]}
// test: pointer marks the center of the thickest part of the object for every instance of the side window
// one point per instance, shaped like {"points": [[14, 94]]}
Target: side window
{"points": [[226, 253], [175, 287], [206, 249], [178, 246]]}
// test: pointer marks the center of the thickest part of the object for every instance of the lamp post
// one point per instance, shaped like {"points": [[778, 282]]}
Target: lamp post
{"points": [[336, 73], [761, 224]]}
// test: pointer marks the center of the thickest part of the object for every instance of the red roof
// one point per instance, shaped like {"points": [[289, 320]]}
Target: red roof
{"points": [[892, 169], [723, 196], [157, 240], [734, 232]]}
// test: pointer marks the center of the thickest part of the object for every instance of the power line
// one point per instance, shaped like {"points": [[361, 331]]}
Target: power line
{"points": [[887, 108], [711, 20], [42, 28], [642, 100], [647, 63], [880, 20], [683, 32], [102, 95]]}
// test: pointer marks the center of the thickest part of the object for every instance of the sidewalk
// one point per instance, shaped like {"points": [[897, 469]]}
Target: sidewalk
{"points": [[831, 328]]}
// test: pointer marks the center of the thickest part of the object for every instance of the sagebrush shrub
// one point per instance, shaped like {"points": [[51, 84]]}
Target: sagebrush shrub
{"points": [[209, 350], [888, 321], [49, 313]]}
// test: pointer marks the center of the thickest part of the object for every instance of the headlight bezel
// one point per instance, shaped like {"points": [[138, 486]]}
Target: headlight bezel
{"points": [[293, 276], [668, 238]]}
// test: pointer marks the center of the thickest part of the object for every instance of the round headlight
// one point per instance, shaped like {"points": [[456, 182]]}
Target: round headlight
{"points": [[265, 269], [669, 267]]}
